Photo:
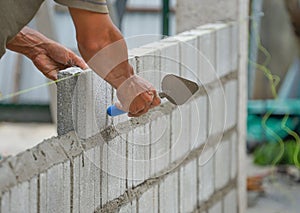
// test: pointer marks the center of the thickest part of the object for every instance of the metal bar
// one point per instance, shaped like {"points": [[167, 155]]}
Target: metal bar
{"points": [[256, 10], [165, 16]]}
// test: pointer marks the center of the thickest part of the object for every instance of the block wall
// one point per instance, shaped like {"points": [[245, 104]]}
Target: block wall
{"points": [[173, 159]]}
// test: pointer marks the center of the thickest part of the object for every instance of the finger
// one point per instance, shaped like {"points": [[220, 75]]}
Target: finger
{"points": [[77, 61], [145, 110], [52, 75], [156, 101], [136, 106], [147, 97]]}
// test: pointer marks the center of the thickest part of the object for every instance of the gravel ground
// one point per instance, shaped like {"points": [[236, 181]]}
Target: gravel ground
{"points": [[282, 193]]}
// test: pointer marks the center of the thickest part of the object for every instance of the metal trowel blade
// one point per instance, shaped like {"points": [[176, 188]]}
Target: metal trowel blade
{"points": [[177, 90]]}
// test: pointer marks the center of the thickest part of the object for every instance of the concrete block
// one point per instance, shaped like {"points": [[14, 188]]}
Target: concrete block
{"points": [[160, 144], [230, 202], [207, 57], [43, 192], [65, 89], [222, 164], [138, 155], [188, 51], [223, 44], [206, 174], [58, 188], [87, 181], [129, 208], [116, 168], [76, 184], [181, 132], [169, 57], [216, 208], [55, 189], [234, 156], [98, 172], [89, 103], [168, 194], [33, 195], [231, 103], [19, 200], [188, 187], [5, 202], [199, 118], [234, 37], [148, 202], [217, 111], [7, 176]]}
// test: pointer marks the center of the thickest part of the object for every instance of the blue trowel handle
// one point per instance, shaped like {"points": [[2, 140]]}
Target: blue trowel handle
{"points": [[114, 111]]}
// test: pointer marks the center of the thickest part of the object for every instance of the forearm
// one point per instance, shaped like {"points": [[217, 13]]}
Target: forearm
{"points": [[96, 35]]}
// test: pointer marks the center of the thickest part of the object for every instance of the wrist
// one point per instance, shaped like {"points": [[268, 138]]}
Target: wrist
{"points": [[120, 74]]}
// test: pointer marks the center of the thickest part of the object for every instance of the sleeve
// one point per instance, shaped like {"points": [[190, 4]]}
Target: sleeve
{"points": [[99, 6]]}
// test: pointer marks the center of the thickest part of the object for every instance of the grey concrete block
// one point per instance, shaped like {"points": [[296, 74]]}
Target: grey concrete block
{"points": [[76, 184], [216, 208], [222, 164], [234, 156], [43, 192], [234, 38], [231, 103], [160, 151], [113, 169], [230, 202], [170, 58], [168, 194], [58, 188], [181, 132], [188, 47], [87, 179], [207, 57], [5, 202], [188, 187], [138, 155], [217, 111], [33, 195], [206, 174], [148, 202], [88, 118], [198, 122], [223, 44], [19, 200], [65, 89]]}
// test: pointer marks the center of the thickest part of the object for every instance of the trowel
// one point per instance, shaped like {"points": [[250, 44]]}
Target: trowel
{"points": [[175, 89]]}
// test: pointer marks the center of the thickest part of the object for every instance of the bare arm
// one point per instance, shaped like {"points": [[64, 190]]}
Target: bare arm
{"points": [[95, 31]]}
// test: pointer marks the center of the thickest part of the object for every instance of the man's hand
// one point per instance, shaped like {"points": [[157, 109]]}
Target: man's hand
{"points": [[47, 55], [142, 103]]}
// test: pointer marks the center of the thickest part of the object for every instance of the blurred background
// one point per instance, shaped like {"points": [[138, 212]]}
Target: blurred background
{"points": [[273, 122]]}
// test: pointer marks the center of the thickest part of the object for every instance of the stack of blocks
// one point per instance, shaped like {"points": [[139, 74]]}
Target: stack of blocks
{"points": [[174, 159]]}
